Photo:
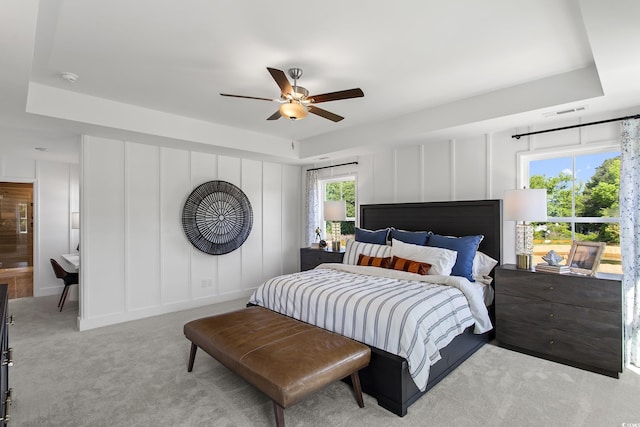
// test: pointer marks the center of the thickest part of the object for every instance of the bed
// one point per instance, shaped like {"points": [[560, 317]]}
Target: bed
{"points": [[393, 380]]}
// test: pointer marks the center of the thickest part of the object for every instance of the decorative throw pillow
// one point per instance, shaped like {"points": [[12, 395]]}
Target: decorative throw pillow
{"points": [[482, 264], [403, 264], [466, 247], [441, 260], [413, 237], [373, 261], [353, 250], [377, 237]]}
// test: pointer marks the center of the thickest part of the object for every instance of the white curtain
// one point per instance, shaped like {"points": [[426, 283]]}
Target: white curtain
{"points": [[311, 207], [630, 234]]}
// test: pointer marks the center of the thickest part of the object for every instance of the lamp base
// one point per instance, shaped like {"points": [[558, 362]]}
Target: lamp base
{"points": [[335, 245], [523, 261]]}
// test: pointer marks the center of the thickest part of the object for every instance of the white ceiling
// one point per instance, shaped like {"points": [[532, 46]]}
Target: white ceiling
{"points": [[152, 70]]}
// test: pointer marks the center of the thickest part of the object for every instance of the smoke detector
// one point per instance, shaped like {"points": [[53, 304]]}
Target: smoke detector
{"points": [[70, 77]]}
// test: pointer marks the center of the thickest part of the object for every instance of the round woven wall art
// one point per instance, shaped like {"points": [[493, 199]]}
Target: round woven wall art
{"points": [[217, 217]]}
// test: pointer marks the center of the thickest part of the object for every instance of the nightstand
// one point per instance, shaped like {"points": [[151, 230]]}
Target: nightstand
{"points": [[566, 318], [310, 258]]}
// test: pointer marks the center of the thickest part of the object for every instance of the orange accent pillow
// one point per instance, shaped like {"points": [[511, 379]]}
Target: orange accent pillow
{"points": [[373, 261], [403, 264]]}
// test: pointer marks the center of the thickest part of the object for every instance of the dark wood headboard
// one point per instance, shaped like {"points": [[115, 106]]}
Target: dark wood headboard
{"points": [[461, 218]]}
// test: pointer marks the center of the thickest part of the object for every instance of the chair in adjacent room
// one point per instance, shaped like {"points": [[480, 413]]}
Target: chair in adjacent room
{"points": [[68, 279]]}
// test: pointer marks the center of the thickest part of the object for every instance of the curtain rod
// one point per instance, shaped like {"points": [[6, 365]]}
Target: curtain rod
{"points": [[637, 116], [334, 166]]}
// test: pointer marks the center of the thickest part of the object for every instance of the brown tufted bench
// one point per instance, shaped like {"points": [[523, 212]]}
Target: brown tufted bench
{"points": [[284, 358]]}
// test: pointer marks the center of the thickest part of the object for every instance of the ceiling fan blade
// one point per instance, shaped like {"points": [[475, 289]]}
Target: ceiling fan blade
{"points": [[248, 97], [281, 79], [324, 113], [334, 96], [274, 116]]}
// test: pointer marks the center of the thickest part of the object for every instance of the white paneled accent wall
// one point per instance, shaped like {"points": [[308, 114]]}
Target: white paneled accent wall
{"points": [[136, 260], [475, 168]]}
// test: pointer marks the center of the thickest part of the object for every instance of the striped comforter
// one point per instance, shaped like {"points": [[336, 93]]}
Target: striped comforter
{"points": [[402, 313]]}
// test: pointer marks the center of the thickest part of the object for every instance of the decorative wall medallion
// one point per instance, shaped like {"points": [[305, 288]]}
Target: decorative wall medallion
{"points": [[217, 217]]}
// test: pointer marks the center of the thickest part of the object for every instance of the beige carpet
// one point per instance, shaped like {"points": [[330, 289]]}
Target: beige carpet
{"points": [[135, 374]]}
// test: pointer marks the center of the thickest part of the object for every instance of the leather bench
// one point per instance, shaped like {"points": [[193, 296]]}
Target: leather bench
{"points": [[284, 358]]}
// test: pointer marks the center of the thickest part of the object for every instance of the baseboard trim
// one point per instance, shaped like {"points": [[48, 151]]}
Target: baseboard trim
{"points": [[115, 318]]}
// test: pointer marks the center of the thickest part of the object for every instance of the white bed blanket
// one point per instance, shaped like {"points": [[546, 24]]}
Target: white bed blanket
{"points": [[406, 314]]}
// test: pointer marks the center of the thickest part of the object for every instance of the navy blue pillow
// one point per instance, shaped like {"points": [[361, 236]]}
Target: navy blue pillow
{"points": [[465, 246], [411, 237], [377, 237]]}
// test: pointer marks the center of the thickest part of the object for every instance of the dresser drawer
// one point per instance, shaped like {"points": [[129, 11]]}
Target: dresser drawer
{"points": [[568, 289], [604, 353], [550, 315]]}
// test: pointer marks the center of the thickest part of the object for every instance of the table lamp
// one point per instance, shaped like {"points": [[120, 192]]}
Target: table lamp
{"points": [[335, 211], [524, 206]]}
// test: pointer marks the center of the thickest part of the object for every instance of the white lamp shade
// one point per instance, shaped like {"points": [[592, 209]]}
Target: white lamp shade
{"points": [[75, 220], [527, 204], [335, 210]]}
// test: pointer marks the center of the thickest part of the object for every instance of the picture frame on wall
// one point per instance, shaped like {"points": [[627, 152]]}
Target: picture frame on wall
{"points": [[584, 257]]}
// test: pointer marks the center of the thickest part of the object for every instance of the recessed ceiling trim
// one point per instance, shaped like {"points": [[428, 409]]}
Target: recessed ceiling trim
{"points": [[64, 104]]}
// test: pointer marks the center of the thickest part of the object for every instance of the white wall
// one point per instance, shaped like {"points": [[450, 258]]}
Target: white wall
{"points": [[478, 167], [136, 261], [55, 197]]}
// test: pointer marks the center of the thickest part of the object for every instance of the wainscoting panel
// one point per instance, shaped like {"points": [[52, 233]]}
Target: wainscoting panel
{"points": [[204, 267], [272, 257], [103, 267], [142, 226], [408, 174], [436, 171], [384, 177], [230, 265], [175, 186], [251, 250], [471, 166], [291, 216]]}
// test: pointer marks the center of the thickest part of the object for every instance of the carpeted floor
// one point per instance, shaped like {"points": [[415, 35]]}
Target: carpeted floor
{"points": [[135, 374]]}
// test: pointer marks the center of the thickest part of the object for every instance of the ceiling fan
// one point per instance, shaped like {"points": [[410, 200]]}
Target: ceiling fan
{"points": [[295, 102]]}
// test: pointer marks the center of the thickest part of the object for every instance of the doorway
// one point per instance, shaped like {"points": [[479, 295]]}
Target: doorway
{"points": [[16, 238]]}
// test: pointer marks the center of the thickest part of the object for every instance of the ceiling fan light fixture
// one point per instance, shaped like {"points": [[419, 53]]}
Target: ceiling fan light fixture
{"points": [[293, 111]]}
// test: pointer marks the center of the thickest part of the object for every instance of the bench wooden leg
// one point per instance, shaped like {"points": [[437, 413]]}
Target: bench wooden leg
{"points": [[279, 411], [357, 390], [192, 357]]}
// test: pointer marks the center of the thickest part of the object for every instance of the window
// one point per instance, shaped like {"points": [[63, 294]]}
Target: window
{"points": [[343, 188], [583, 190]]}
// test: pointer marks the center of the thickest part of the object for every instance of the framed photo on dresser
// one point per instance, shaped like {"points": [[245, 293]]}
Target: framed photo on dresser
{"points": [[584, 257]]}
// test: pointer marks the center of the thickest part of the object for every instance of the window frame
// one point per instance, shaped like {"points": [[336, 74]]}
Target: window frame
{"points": [[322, 191], [522, 175]]}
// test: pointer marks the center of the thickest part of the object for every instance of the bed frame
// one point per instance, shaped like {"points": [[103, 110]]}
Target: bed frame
{"points": [[387, 377]]}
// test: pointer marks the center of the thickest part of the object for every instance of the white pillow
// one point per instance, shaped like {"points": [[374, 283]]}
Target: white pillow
{"points": [[441, 260], [482, 264], [354, 249]]}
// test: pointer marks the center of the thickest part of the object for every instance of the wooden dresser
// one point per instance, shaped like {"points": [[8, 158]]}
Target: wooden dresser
{"points": [[310, 258], [567, 318], [6, 359]]}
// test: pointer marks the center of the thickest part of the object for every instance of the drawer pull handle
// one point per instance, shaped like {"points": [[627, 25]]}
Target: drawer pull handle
{"points": [[550, 288], [7, 404], [552, 342], [7, 357], [550, 314]]}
